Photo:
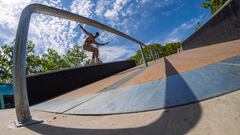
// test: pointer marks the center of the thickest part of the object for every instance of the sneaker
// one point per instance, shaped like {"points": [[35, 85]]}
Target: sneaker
{"points": [[92, 62], [98, 61]]}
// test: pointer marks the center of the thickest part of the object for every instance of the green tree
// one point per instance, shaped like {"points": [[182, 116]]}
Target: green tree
{"points": [[53, 61], [36, 63], [214, 5], [6, 54], [168, 49], [76, 56], [33, 61]]}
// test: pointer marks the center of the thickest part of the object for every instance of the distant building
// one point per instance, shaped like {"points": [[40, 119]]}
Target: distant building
{"points": [[6, 96]]}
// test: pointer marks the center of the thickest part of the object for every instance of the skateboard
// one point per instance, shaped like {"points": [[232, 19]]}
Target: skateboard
{"points": [[93, 62]]}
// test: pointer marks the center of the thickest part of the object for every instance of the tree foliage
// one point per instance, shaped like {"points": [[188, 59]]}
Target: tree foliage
{"points": [[6, 53], [36, 63], [214, 5], [74, 55], [168, 49]]}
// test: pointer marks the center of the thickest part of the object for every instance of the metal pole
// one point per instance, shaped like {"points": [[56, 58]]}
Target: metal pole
{"points": [[152, 55], [157, 55], [19, 71], [143, 56]]}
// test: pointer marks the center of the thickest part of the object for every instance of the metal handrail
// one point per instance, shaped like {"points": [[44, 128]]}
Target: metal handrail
{"points": [[19, 71]]}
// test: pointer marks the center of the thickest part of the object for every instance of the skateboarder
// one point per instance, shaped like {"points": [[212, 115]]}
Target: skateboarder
{"points": [[88, 45]]}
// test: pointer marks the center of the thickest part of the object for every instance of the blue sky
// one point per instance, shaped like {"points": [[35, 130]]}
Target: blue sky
{"points": [[149, 21]]}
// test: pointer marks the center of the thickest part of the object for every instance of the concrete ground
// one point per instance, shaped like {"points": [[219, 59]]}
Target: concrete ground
{"points": [[217, 116]]}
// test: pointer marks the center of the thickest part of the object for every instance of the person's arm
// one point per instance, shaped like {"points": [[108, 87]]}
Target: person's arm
{"points": [[100, 44], [84, 30]]}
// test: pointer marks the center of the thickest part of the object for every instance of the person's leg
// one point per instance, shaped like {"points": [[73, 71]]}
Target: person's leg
{"points": [[94, 51], [97, 54]]}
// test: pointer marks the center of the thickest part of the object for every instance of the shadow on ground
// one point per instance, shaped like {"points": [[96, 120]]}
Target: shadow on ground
{"points": [[173, 121]]}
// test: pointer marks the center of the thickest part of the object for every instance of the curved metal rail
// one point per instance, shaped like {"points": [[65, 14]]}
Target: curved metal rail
{"points": [[19, 73]]}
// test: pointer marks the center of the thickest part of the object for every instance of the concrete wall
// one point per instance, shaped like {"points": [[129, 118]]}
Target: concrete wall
{"points": [[48, 85], [223, 26]]}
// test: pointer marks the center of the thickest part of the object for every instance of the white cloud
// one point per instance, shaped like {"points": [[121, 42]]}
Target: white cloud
{"points": [[55, 3], [10, 11], [82, 7], [115, 11], [172, 39], [170, 12], [106, 37], [152, 42], [162, 3], [155, 3], [52, 32], [102, 6], [45, 31], [115, 53], [177, 33], [144, 1], [56, 33], [131, 9], [5, 36]]}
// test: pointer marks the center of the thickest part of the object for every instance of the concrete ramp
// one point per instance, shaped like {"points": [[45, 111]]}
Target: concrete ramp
{"points": [[174, 90], [176, 80]]}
